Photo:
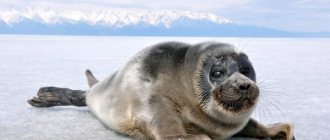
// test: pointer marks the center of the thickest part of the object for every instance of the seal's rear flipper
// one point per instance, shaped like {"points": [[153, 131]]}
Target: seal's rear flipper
{"points": [[90, 78], [55, 96]]}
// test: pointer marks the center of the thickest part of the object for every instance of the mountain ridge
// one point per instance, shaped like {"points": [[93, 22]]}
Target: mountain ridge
{"points": [[116, 17], [130, 22]]}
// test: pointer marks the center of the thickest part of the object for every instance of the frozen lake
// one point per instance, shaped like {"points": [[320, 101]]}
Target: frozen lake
{"points": [[293, 74]]}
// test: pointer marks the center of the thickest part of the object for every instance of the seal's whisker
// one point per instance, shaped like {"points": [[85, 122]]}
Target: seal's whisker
{"points": [[267, 85], [275, 93], [269, 90], [261, 83], [274, 97], [258, 112], [268, 111], [262, 108], [270, 103], [273, 104]]}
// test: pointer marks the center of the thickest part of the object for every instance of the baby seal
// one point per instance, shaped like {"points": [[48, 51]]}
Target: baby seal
{"points": [[175, 90]]}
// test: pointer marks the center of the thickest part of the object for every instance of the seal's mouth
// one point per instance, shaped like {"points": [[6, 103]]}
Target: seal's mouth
{"points": [[235, 100]]}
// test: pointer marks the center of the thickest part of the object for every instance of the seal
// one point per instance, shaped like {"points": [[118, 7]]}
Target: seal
{"points": [[175, 90]]}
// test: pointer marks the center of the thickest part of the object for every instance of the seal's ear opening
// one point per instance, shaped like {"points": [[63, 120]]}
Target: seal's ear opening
{"points": [[90, 78]]}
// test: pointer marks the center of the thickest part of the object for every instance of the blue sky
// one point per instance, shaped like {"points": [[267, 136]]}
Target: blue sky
{"points": [[291, 15]]}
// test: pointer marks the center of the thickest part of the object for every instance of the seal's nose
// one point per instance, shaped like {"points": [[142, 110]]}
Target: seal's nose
{"points": [[244, 86]]}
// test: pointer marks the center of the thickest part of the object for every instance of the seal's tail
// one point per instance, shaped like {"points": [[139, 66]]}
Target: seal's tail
{"points": [[90, 78]]}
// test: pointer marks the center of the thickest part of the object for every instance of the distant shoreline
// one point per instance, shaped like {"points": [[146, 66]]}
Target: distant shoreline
{"points": [[174, 36]]}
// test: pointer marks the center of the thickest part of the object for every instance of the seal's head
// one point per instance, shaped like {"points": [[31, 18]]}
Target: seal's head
{"points": [[224, 80]]}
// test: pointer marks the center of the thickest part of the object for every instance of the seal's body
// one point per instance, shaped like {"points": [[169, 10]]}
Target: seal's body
{"points": [[177, 91]]}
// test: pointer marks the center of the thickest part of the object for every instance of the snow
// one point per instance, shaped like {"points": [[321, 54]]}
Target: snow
{"points": [[293, 75], [117, 17]]}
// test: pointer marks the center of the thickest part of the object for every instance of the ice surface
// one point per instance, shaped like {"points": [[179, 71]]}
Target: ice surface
{"points": [[292, 73]]}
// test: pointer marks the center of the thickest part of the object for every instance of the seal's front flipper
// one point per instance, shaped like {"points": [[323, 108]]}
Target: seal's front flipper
{"points": [[54, 96], [278, 131]]}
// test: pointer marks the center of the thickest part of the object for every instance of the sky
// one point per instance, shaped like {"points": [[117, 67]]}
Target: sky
{"points": [[290, 15]]}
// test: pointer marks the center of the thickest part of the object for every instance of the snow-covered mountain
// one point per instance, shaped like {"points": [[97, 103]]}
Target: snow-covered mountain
{"points": [[111, 17], [97, 20]]}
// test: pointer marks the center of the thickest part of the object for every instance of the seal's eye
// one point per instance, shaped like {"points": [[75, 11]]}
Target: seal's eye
{"points": [[217, 74], [244, 71]]}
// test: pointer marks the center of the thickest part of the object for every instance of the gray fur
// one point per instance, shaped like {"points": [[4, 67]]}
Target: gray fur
{"points": [[176, 90], [54, 96]]}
